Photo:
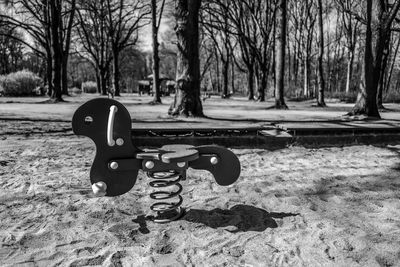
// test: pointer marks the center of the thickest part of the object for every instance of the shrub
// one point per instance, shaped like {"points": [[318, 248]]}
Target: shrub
{"points": [[74, 91], [21, 83], [89, 87], [40, 91], [2, 77], [391, 97], [343, 97]]}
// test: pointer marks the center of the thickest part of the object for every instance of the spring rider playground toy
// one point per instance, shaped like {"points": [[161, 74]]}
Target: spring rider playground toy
{"points": [[118, 159]]}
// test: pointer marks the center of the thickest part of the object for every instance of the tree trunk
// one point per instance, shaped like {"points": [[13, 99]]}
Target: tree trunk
{"points": [[211, 80], [115, 80], [321, 81], [55, 10], [49, 73], [103, 80], [397, 82], [280, 45], [64, 74], [374, 43], [257, 81], [296, 65], [156, 59], [289, 69], [233, 76], [383, 71], [98, 81], [225, 77], [187, 100], [250, 82], [393, 63], [306, 85], [262, 85], [217, 70], [328, 63], [350, 60], [65, 48]]}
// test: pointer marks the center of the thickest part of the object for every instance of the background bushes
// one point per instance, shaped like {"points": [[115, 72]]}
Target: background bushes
{"points": [[74, 91], [20, 83], [89, 87]]}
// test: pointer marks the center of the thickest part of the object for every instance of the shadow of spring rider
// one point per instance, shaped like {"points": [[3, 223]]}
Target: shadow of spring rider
{"points": [[118, 159]]}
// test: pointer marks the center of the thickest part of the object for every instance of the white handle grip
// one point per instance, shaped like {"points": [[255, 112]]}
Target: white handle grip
{"points": [[110, 125]]}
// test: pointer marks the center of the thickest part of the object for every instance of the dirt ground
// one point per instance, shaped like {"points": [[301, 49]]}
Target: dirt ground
{"points": [[332, 206]]}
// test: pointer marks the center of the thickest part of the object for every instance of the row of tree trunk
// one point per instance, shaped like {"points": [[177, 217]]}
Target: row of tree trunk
{"points": [[379, 19]]}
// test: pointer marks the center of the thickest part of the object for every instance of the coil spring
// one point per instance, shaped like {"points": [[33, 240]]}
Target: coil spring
{"points": [[166, 211]]}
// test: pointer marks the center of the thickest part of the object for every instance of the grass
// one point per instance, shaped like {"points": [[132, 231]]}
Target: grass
{"points": [[218, 111]]}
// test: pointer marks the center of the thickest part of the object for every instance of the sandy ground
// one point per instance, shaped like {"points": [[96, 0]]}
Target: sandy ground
{"points": [[337, 206]]}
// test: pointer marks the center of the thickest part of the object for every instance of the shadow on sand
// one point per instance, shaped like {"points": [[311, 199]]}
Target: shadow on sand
{"points": [[240, 218]]}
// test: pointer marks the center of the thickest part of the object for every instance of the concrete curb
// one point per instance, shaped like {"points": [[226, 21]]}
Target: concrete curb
{"points": [[270, 142]]}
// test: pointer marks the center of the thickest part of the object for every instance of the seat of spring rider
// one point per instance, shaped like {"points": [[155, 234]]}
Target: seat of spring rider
{"points": [[220, 162], [170, 154]]}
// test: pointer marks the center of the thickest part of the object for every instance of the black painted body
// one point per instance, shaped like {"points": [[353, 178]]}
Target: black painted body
{"points": [[91, 120]]}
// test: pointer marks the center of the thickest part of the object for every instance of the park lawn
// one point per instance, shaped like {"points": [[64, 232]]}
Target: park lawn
{"points": [[235, 110]]}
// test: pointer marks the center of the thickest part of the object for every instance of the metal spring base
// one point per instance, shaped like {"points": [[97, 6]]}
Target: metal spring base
{"points": [[166, 211]]}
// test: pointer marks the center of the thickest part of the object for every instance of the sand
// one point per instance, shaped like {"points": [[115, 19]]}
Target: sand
{"points": [[334, 206]]}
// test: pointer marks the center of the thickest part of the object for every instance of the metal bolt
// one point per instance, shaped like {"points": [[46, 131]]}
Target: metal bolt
{"points": [[214, 160], [99, 189], [149, 164], [120, 141], [181, 164], [88, 120], [114, 165]]}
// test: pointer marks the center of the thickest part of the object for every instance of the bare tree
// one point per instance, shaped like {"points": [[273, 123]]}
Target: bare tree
{"points": [[302, 17], [11, 49], [66, 25], [124, 19], [215, 22], [351, 29], [94, 39], [379, 19], [187, 100], [388, 74], [240, 17], [56, 49], [321, 80], [44, 21], [155, 23], [280, 54], [309, 21]]}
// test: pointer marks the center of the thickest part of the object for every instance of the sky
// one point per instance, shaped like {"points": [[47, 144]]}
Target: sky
{"points": [[166, 26], [145, 38]]}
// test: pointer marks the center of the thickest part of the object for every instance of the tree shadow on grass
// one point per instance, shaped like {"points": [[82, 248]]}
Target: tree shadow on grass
{"points": [[165, 121], [240, 218]]}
